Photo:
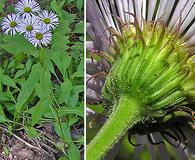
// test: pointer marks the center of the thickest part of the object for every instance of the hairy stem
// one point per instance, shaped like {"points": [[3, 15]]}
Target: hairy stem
{"points": [[123, 117]]}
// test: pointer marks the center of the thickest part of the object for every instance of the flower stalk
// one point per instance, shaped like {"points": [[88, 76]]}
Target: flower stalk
{"points": [[123, 118]]}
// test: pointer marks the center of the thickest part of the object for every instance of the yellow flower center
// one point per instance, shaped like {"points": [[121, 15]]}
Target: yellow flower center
{"points": [[47, 20], [13, 24], [27, 9], [39, 36], [29, 28]]}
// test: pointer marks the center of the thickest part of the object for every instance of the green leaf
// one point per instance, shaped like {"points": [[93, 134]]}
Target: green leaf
{"points": [[44, 88], [80, 70], [17, 45], [10, 8], [77, 48], [2, 5], [19, 73], [71, 110], [2, 115], [63, 158], [28, 87], [79, 27], [10, 107], [73, 100], [32, 133], [69, 17], [5, 96], [8, 81], [45, 58], [72, 121], [28, 65], [63, 131], [73, 152], [57, 8], [60, 39], [79, 4], [78, 89], [62, 60], [39, 109], [66, 89]]}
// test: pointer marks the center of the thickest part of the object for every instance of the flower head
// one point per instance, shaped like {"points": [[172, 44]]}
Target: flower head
{"points": [[49, 19], [27, 7], [29, 25], [10, 24], [40, 38], [146, 49]]}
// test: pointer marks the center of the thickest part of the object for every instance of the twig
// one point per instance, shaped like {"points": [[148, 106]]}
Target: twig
{"points": [[48, 147], [36, 141], [26, 143], [20, 139]]}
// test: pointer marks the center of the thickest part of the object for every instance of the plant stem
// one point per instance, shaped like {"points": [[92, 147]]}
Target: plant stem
{"points": [[127, 113]]}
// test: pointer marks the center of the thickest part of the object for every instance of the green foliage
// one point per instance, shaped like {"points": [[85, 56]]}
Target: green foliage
{"points": [[2, 5], [79, 3], [18, 45], [73, 152], [45, 85]]}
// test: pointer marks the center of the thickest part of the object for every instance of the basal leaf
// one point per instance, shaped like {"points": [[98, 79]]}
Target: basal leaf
{"points": [[2, 115], [5, 96], [66, 89], [8, 81], [80, 70], [39, 109], [79, 27], [71, 110], [31, 132], [77, 89], [63, 131], [19, 73], [28, 87], [73, 120], [73, 100], [73, 152]]}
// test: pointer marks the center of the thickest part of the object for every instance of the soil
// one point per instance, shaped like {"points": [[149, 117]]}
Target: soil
{"points": [[12, 148]]}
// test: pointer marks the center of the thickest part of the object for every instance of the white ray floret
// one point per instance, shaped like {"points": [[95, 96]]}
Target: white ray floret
{"points": [[29, 25], [49, 19], [10, 24], [41, 38], [27, 7], [105, 14]]}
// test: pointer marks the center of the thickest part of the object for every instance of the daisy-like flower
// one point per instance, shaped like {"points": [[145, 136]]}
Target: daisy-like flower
{"points": [[27, 7], [145, 76], [29, 25], [40, 38], [49, 19], [10, 24]]}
